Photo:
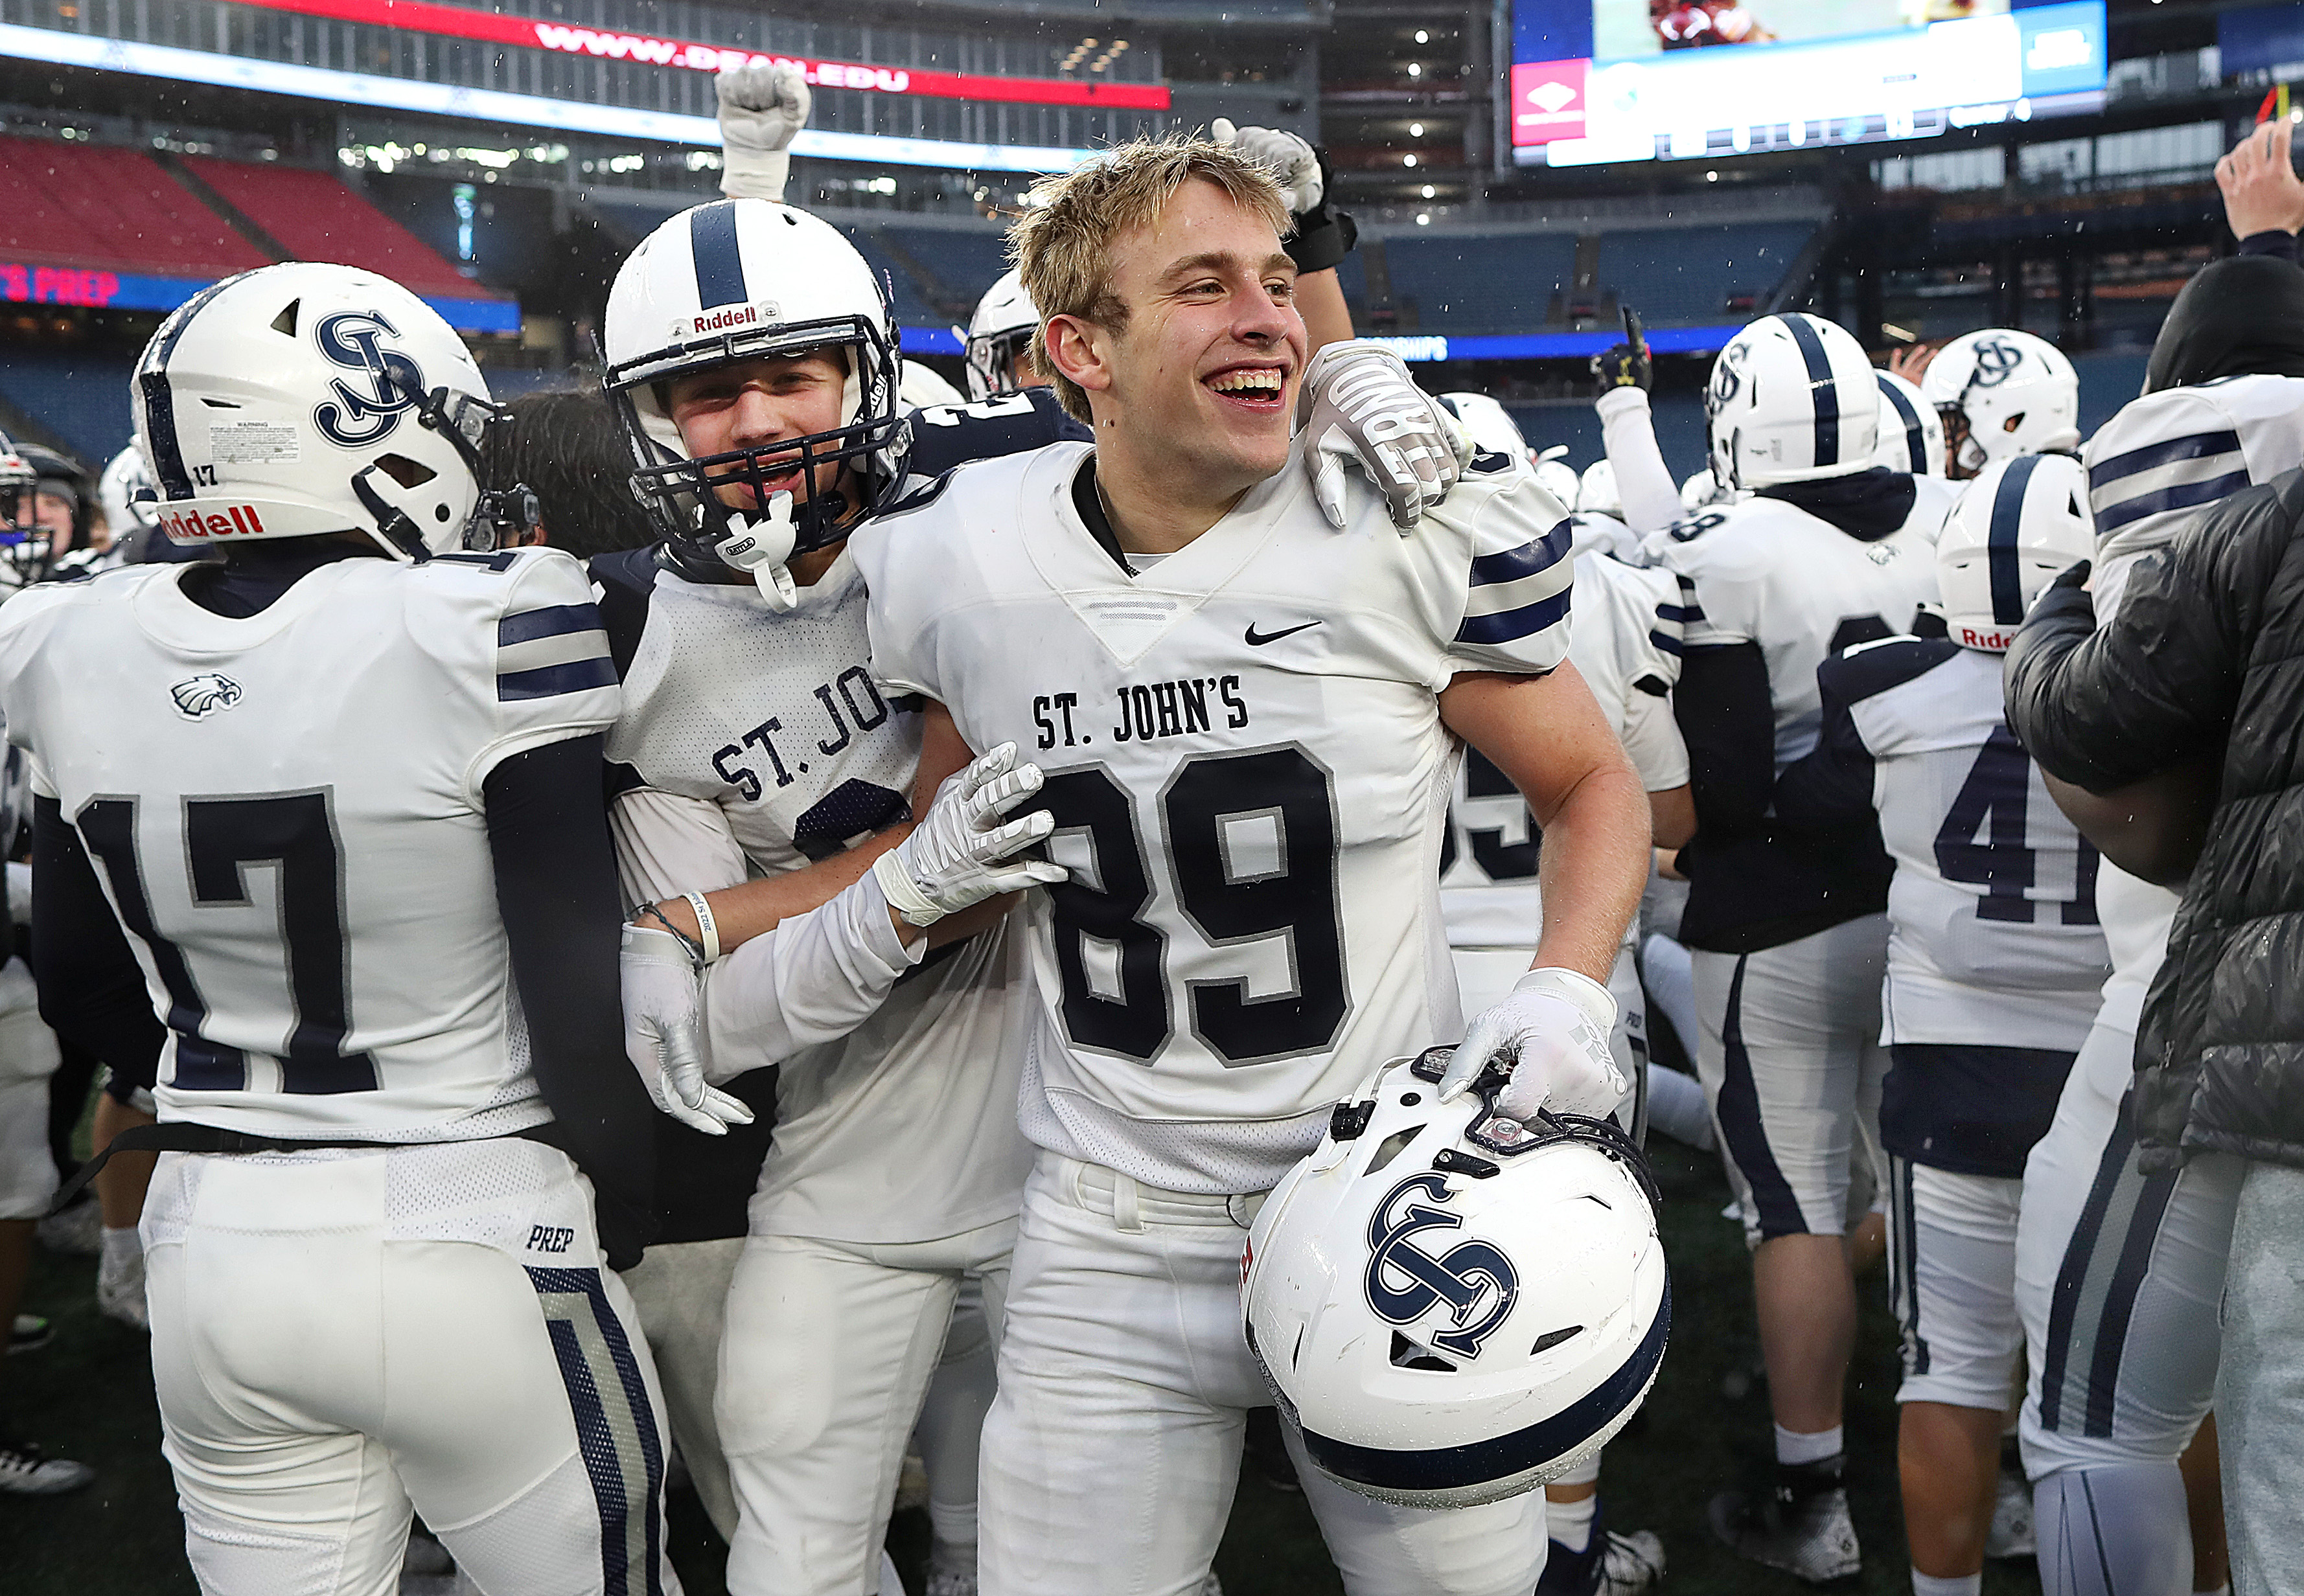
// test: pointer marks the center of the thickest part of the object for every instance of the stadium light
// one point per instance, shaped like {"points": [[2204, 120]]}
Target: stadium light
{"points": [[1414, 71], [1423, 37], [1407, 160], [1416, 129], [1427, 190]]}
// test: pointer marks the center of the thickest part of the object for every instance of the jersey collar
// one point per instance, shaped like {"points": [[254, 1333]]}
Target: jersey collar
{"points": [[169, 617]]}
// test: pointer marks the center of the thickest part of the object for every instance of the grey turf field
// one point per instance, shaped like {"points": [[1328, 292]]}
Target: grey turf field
{"points": [[87, 1395]]}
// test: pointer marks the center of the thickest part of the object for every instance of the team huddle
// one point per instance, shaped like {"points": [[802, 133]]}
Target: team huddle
{"points": [[1183, 885]]}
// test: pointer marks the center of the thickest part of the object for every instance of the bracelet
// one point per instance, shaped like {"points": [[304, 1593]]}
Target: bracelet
{"points": [[707, 924], [695, 949]]}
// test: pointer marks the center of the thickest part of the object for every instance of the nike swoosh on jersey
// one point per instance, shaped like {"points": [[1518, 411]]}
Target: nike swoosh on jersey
{"points": [[1258, 640]]}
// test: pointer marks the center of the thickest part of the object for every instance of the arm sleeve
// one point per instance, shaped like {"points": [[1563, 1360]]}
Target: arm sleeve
{"points": [[668, 843], [555, 878], [1512, 607], [813, 979], [1651, 498], [1727, 716], [1832, 783], [92, 991], [2101, 708]]}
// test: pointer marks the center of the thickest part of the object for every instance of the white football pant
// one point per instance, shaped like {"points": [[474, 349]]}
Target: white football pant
{"points": [[826, 1355], [28, 1058], [1125, 1381], [337, 1336], [1951, 1284], [1788, 1046]]}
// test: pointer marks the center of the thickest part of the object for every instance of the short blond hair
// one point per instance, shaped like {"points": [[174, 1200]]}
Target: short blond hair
{"points": [[1063, 247]]}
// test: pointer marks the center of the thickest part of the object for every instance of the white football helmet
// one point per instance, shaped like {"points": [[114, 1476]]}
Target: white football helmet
{"points": [[307, 398], [2020, 523], [921, 386], [1596, 492], [998, 336], [1911, 436], [746, 280], [1558, 476], [2001, 394], [1456, 1308], [1791, 400], [23, 545], [1488, 425]]}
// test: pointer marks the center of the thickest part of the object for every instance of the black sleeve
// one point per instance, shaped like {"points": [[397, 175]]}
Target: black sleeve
{"points": [[92, 991], [555, 873], [2272, 241], [1727, 718], [1832, 783], [2160, 683]]}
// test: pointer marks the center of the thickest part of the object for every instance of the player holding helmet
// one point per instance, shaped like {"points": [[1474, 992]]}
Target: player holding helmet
{"points": [[1787, 922]]}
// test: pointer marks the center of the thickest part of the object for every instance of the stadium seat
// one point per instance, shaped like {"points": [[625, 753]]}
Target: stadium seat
{"points": [[1474, 283], [78, 397], [1699, 275], [102, 208], [315, 217]]}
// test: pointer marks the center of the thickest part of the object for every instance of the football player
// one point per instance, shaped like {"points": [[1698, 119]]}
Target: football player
{"points": [[1911, 434], [1996, 965], [338, 790], [1641, 482], [999, 341], [2000, 392], [754, 744], [2120, 1271], [1627, 649], [1246, 720], [1787, 923]]}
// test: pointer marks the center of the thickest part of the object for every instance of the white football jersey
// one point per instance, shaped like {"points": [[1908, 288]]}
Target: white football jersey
{"points": [[2166, 455], [904, 1129], [286, 812], [1761, 570], [1993, 933], [1249, 774], [1624, 640]]}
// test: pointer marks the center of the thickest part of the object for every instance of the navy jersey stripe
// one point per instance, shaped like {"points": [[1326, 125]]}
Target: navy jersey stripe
{"points": [[547, 681], [1820, 387], [553, 621], [1507, 625], [1915, 440], [1536, 554], [1669, 644], [1683, 613], [719, 264], [2184, 496], [2198, 445], [2000, 541]]}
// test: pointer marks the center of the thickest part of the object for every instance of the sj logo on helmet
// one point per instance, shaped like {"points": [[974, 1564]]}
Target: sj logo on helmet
{"points": [[189, 525], [366, 409], [1473, 1280]]}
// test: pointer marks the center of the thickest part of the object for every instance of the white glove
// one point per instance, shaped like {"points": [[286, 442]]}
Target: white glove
{"points": [[762, 110], [1553, 1030], [1359, 404], [1290, 160], [761, 548], [664, 1031], [962, 852]]}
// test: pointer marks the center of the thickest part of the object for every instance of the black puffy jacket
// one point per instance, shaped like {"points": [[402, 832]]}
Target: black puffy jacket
{"points": [[2204, 656]]}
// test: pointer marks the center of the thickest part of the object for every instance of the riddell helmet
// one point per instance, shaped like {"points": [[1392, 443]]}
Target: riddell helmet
{"points": [[1455, 1308], [1596, 492], [1911, 436], [305, 398], [998, 335], [746, 280], [1489, 425], [1791, 400], [23, 546], [2018, 523], [2001, 393], [1553, 470]]}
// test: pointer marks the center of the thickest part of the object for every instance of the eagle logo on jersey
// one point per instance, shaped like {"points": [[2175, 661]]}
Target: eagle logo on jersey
{"points": [[201, 695], [1473, 1280], [389, 381]]}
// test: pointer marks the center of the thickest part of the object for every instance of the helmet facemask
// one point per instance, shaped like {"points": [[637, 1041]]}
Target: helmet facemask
{"points": [[992, 359], [385, 487], [24, 546]]}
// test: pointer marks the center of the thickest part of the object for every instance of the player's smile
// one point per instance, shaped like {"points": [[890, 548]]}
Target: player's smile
{"points": [[1259, 387]]}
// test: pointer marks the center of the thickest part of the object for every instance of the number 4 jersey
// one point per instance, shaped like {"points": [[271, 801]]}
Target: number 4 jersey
{"points": [[1249, 776], [286, 813]]}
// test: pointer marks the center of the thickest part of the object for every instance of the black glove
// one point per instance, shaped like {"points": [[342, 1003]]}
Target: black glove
{"points": [[2073, 576], [1324, 234], [1625, 365]]}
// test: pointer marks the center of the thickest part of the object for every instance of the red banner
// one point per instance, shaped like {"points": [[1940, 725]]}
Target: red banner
{"points": [[536, 34]]}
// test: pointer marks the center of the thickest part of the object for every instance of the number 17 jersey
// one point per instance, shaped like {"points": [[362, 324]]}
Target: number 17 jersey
{"points": [[1249, 775]]}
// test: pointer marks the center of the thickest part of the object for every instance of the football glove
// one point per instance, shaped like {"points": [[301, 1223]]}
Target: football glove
{"points": [[760, 548], [1551, 1032], [762, 110], [964, 849], [1290, 160], [1359, 404], [664, 1031]]}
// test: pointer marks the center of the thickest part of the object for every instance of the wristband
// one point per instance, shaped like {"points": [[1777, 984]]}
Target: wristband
{"points": [[688, 944], [707, 928], [913, 906]]}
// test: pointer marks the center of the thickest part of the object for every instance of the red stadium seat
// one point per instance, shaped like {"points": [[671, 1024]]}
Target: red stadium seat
{"points": [[315, 217], [95, 208]]}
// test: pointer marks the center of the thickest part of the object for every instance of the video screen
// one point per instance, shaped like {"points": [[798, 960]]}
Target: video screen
{"points": [[1649, 80]]}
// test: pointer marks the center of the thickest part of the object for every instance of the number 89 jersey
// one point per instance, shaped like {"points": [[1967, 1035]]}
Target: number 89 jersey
{"points": [[1249, 775], [286, 810]]}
